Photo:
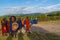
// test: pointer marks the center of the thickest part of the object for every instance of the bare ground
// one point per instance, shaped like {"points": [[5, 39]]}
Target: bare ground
{"points": [[47, 27]]}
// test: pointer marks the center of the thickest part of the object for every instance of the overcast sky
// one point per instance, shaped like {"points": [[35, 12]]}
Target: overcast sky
{"points": [[28, 6]]}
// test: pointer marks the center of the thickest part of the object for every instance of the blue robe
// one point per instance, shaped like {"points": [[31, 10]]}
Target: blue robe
{"points": [[10, 26], [35, 21], [20, 24]]}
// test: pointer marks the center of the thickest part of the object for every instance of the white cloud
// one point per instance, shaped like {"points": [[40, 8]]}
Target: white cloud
{"points": [[27, 10], [55, 7]]}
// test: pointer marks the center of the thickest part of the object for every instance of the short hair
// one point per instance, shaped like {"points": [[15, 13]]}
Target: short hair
{"points": [[13, 17]]}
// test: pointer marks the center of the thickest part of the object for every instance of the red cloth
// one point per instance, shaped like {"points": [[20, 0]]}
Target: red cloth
{"points": [[27, 24], [8, 26], [4, 29], [22, 22]]}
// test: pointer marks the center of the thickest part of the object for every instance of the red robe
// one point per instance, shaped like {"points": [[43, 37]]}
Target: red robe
{"points": [[3, 27], [8, 26], [27, 24]]}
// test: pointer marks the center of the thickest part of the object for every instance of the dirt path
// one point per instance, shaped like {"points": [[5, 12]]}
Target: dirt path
{"points": [[53, 27]]}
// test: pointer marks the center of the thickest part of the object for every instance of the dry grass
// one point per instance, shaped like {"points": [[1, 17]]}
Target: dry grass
{"points": [[32, 36]]}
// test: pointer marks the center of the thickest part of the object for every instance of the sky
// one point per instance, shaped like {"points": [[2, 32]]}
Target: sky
{"points": [[28, 6]]}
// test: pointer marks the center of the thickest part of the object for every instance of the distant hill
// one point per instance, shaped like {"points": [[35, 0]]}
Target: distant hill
{"points": [[56, 13], [30, 14], [35, 14]]}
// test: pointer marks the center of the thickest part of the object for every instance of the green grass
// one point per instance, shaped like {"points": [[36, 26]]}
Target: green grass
{"points": [[51, 21], [32, 36]]}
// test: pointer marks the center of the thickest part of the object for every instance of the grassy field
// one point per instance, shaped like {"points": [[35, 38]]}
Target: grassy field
{"points": [[32, 36], [37, 32]]}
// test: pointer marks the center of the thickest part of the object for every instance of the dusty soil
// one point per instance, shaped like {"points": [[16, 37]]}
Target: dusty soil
{"points": [[47, 27]]}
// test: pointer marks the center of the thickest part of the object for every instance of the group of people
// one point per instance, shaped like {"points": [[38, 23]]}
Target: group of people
{"points": [[13, 25]]}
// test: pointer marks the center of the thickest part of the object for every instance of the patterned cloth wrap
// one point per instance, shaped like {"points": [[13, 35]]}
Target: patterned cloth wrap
{"points": [[14, 26]]}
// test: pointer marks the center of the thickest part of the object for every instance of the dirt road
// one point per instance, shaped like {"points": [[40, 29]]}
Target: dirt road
{"points": [[52, 27]]}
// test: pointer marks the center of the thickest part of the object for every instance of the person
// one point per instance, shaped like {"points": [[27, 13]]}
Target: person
{"points": [[20, 24], [35, 21], [13, 26], [8, 26], [23, 22], [23, 26], [3, 23], [27, 22]]}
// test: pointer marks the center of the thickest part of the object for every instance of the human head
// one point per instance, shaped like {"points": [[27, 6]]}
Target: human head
{"points": [[13, 18], [3, 20]]}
